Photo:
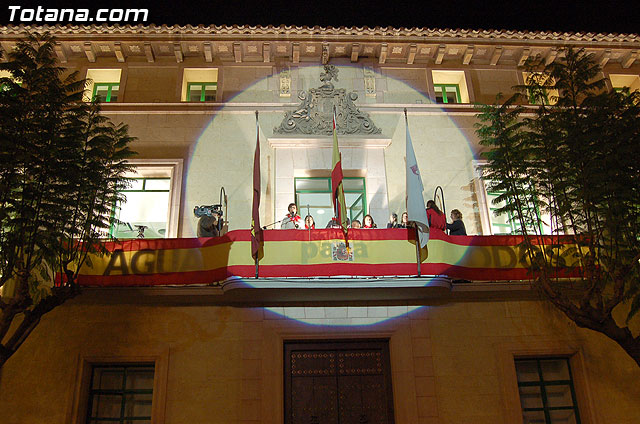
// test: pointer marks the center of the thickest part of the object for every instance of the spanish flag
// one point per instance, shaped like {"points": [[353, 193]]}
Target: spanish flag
{"points": [[337, 190]]}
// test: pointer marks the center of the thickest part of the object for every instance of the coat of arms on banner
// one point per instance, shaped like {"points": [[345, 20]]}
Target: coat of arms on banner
{"points": [[340, 252]]}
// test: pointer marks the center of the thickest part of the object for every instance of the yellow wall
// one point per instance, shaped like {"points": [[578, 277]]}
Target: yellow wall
{"points": [[450, 363], [489, 82], [151, 84]]}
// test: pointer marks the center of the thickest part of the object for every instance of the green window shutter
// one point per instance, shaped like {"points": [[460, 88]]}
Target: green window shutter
{"points": [[106, 92], [447, 93], [202, 91]]}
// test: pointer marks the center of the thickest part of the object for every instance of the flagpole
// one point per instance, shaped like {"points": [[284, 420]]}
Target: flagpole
{"points": [[418, 261], [337, 187], [417, 248], [305, 219], [257, 135], [336, 205]]}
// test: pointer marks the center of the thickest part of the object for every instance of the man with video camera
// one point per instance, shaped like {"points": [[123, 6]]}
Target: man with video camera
{"points": [[210, 223]]}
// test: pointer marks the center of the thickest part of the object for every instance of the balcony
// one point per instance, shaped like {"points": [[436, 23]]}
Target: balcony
{"points": [[303, 266]]}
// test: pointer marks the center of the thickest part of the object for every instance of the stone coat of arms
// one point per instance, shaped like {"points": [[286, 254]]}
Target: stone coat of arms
{"points": [[313, 115]]}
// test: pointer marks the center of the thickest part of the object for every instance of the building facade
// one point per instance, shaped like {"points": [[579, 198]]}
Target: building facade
{"points": [[320, 347]]}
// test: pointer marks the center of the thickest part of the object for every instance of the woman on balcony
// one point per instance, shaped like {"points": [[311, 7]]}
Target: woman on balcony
{"points": [[309, 223], [456, 228], [435, 216], [404, 221], [368, 222]]}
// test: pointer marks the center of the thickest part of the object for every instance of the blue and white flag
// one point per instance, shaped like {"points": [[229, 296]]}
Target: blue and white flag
{"points": [[415, 201]]}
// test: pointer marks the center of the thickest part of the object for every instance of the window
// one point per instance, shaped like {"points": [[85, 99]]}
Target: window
{"points": [[103, 85], [450, 87], [447, 93], [202, 91], [6, 86], [547, 394], [507, 223], [121, 394], [541, 91], [106, 91], [145, 211], [199, 84], [619, 82], [313, 196], [152, 202], [129, 386]]}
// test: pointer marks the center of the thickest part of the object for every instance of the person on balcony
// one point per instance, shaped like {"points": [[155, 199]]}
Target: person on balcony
{"points": [[292, 220], [435, 216], [404, 221], [309, 223], [210, 225], [393, 221], [368, 222], [356, 224], [456, 228], [334, 223]]}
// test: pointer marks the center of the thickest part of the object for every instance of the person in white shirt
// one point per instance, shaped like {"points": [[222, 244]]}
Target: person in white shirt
{"points": [[292, 220]]}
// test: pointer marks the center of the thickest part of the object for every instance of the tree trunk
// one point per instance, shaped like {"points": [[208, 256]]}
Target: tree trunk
{"points": [[5, 354], [623, 337], [593, 319]]}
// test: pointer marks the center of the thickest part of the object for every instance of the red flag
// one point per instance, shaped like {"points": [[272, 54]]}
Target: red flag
{"points": [[256, 230], [337, 190]]}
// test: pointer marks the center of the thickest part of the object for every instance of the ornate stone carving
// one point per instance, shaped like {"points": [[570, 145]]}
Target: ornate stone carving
{"points": [[369, 83], [314, 114], [285, 83]]}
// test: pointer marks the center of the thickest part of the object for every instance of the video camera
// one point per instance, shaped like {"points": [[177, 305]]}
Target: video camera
{"points": [[208, 210]]}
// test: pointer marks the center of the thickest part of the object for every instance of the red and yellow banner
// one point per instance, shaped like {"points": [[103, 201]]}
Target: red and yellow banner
{"points": [[316, 253]]}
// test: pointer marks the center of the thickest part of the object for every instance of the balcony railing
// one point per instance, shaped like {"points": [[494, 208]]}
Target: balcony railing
{"points": [[316, 254]]}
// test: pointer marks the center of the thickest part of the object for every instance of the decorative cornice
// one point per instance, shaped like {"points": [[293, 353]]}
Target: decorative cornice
{"points": [[464, 35]]}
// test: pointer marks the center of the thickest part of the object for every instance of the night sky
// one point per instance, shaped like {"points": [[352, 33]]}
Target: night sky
{"points": [[543, 15]]}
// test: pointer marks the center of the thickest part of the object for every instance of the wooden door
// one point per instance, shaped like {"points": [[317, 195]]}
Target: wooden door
{"points": [[338, 382]]}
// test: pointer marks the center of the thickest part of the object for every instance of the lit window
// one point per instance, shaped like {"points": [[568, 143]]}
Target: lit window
{"points": [[539, 89], [313, 197], [199, 84], [507, 223], [145, 211], [547, 394], [6, 84], [106, 92], [103, 85], [120, 394], [152, 202], [620, 82], [450, 87], [202, 91]]}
